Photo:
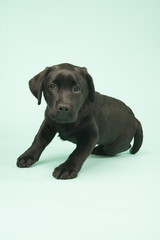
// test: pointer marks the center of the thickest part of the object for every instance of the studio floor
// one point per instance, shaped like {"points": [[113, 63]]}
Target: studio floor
{"points": [[112, 198]]}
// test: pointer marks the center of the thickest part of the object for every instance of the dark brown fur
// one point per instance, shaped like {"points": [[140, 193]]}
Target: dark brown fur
{"points": [[82, 116]]}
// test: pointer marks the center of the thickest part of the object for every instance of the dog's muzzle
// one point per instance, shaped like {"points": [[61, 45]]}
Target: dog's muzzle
{"points": [[64, 114]]}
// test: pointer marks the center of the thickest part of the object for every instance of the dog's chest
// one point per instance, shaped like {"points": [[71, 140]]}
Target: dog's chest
{"points": [[67, 134]]}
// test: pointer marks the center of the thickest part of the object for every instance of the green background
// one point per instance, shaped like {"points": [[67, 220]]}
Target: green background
{"points": [[112, 198]]}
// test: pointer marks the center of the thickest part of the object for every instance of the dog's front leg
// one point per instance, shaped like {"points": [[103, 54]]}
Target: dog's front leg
{"points": [[70, 168], [41, 140]]}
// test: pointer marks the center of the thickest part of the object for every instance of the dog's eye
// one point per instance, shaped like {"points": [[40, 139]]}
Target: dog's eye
{"points": [[76, 88], [53, 87]]}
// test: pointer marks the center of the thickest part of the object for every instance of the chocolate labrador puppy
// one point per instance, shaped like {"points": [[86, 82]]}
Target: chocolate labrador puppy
{"points": [[82, 116]]}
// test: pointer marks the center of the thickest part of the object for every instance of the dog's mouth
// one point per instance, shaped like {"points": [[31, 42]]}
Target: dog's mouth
{"points": [[64, 120], [59, 119]]}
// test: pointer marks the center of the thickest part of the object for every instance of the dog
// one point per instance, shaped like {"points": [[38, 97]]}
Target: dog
{"points": [[96, 123]]}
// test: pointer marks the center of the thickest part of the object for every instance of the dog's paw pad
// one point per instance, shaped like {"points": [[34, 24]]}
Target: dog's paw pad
{"points": [[64, 173], [23, 163]]}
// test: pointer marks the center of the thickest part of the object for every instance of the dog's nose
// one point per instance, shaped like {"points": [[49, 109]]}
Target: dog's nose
{"points": [[63, 108]]}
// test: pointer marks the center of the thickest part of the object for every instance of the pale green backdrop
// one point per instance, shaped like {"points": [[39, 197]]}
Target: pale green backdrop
{"points": [[112, 198]]}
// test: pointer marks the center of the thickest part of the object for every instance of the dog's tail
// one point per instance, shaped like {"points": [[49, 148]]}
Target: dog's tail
{"points": [[138, 138]]}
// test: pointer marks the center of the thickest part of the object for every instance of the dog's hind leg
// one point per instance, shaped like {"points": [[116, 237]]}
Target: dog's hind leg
{"points": [[115, 148], [121, 144], [98, 150]]}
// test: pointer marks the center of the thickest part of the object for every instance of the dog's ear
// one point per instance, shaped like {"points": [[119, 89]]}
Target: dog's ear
{"points": [[36, 84], [90, 84]]}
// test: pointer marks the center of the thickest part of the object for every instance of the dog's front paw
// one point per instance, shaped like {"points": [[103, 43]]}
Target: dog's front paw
{"points": [[64, 172], [25, 161]]}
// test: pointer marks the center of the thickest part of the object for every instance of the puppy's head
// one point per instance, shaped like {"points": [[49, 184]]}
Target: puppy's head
{"points": [[65, 88]]}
